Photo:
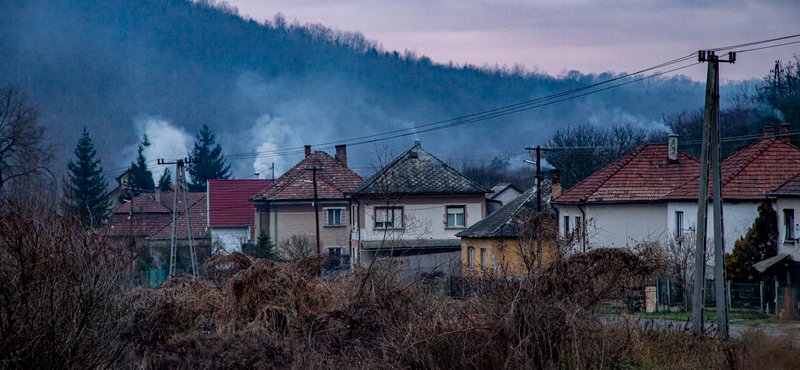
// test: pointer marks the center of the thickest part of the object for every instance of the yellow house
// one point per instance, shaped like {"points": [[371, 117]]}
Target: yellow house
{"points": [[493, 244]]}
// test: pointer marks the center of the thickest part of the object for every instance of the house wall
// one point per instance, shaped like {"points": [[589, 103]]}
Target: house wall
{"points": [[281, 221], [425, 217], [617, 225], [231, 238], [506, 256], [787, 245], [507, 195], [738, 216]]}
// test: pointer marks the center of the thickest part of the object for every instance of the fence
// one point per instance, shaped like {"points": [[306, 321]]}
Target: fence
{"points": [[673, 296]]}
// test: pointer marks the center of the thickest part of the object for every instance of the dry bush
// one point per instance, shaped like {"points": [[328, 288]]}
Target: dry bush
{"points": [[220, 267], [59, 302]]}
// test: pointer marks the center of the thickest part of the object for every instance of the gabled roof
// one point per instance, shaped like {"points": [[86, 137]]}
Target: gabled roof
{"points": [[333, 180], [229, 202], [503, 222], [644, 174], [144, 216], [418, 172], [752, 172], [501, 187]]}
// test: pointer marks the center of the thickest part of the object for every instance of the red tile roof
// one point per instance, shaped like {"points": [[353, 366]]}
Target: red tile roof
{"points": [[791, 187], [229, 202], [332, 181], [644, 174], [144, 216], [197, 208], [750, 173]]}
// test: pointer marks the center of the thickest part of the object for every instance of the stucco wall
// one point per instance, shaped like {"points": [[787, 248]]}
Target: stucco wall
{"points": [[425, 217], [788, 246], [617, 225], [230, 237], [298, 219], [737, 218]]}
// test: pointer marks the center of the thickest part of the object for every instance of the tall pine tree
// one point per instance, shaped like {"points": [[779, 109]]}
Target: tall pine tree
{"points": [[212, 164], [86, 191], [165, 182], [140, 179]]}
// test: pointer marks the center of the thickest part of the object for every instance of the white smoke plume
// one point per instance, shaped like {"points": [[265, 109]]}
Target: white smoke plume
{"points": [[166, 141], [269, 134]]}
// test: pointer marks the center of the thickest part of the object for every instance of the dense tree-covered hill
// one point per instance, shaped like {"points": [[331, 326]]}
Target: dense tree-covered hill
{"points": [[169, 66]]}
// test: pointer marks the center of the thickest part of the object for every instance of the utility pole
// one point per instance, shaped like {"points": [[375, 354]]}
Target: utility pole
{"points": [[539, 151], [181, 187], [316, 205], [711, 145]]}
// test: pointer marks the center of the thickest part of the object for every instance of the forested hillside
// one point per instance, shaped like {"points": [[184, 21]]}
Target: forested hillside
{"points": [[122, 67]]}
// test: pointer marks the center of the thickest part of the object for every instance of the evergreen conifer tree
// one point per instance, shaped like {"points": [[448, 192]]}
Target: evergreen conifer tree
{"points": [[759, 243], [212, 164], [86, 191], [264, 248], [165, 182], [140, 179]]}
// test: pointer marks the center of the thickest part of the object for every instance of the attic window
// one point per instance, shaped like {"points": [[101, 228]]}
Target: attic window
{"points": [[413, 155]]}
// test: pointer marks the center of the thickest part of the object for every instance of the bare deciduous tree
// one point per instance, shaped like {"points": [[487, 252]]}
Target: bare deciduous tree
{"points": [[298, 247], [22, 147]]}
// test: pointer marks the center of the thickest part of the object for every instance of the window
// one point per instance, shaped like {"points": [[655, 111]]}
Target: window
{"points": [[471, 255], [566, 226], [335, 251], [494, 266], [788, 224], [678, 224], [334, 217], [388, 217], [578, 226], [455, 216], [483, 258]]}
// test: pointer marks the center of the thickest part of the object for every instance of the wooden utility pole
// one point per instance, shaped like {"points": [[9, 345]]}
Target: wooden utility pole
{"points": [[181, 187], [316, 205], [539, 151], [711, 146]]}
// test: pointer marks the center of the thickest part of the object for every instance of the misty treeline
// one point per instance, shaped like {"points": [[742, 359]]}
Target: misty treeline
{"points": [[106, 64]]}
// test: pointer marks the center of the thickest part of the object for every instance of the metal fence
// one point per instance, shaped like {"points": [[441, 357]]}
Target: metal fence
{"points": [[672, 296]]}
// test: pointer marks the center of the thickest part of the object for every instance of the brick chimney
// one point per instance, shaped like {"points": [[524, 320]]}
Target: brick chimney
{"points": [[341, 154], [308, 150], [785, 130], [672, 147], [555, 182], [769, 131]]}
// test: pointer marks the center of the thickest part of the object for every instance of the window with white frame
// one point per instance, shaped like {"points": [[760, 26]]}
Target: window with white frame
{"points": [[333, 217], [455, 216], [788, 224], [471, 256], [483, 258], [566, 226], [678, 224], [388, 217], [494, 266]]}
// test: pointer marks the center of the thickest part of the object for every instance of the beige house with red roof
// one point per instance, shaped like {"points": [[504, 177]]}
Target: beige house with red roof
{"points": [[231, 216], [286, 207]]}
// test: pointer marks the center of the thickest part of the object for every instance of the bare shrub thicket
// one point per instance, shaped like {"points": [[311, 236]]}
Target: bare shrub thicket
{"points": [[59, 302], [297, 247]]}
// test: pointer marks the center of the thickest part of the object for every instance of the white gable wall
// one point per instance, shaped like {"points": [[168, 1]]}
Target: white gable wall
{"points": [[784, 245], [231, 237], [619, 224], [737, 217]]}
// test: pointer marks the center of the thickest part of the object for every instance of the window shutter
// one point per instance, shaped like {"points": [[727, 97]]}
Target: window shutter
{"points": [[325, 216]]}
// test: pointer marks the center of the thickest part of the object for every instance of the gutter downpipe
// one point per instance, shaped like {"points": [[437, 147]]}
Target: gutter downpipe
{"points": [[357, 257], [583, 225]]}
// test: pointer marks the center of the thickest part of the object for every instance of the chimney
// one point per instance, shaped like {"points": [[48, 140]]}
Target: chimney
{"points": [[673, 147], [308, 150], [785, 130], [341, 154], [418, 143], [769, 131], [555, 183], [257, 175]]}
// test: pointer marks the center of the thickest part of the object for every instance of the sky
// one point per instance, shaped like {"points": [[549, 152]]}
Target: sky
{"points": [[555, 36]]}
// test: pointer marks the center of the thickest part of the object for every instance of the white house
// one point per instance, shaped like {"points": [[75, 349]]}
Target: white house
{"points": [[412, 209]]}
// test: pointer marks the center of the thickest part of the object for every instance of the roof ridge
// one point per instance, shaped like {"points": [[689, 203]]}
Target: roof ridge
{"points": [[371, 180]]}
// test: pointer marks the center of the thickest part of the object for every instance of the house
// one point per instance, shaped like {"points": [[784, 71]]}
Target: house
{"points": [[747, 179], [231, 215], [493, 244], [285, 210], [785, 266], [411, 210], [145, 222], [501, 194], [622, 204]]}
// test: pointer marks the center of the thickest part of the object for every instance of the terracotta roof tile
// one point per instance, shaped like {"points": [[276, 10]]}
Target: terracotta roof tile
{"points": [[229, 202], [332, 182], [144, 216], [644, 174], [750, 173]]}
